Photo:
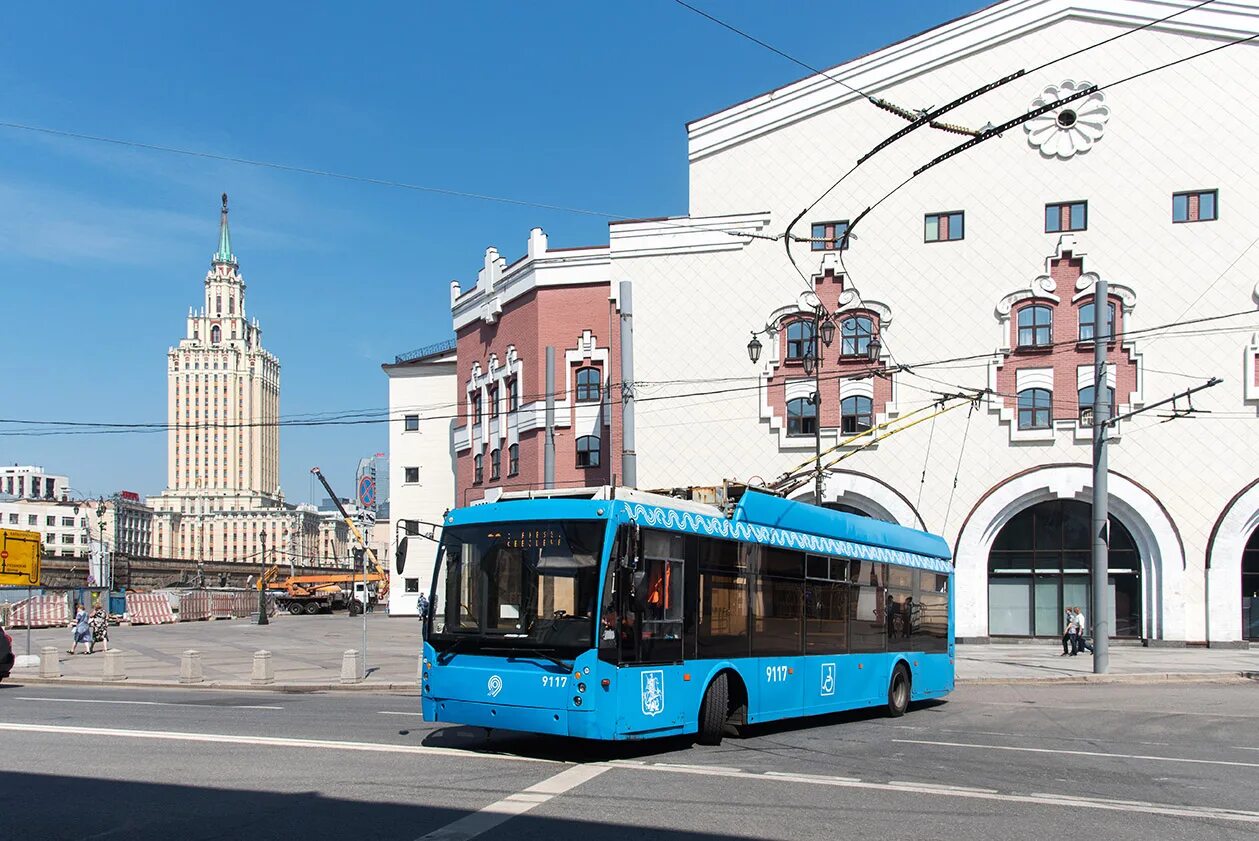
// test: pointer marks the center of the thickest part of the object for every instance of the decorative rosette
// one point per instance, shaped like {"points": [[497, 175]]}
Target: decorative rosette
{"points": [[1072, 128]]}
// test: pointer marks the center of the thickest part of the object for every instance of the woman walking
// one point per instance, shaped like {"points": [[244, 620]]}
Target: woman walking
{"points": [[99, 624], [82, 631]]}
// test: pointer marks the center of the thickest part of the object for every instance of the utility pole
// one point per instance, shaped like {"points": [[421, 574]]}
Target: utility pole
{"points": [[629, 455], [1101, 506], [262, 581], [817, 403], [548, 443]]}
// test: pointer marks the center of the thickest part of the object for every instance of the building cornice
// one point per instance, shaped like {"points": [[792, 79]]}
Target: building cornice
{"points": [[944, 44]]}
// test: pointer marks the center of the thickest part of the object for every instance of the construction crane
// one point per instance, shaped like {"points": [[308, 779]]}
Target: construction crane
{"points": [[373, 565]]}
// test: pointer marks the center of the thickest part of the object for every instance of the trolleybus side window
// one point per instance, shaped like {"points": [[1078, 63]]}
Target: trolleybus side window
{"points": [[867, 626], [723, 599], [904, 614], [778, 603], [931, 634], [659, 589], [826, 605]]}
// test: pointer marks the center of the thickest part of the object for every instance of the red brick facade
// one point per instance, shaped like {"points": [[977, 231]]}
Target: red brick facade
{"points": [[581, 324]]}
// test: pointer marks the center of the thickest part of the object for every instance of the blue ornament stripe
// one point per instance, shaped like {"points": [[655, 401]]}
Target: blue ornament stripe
{"points": [[688, 521]]}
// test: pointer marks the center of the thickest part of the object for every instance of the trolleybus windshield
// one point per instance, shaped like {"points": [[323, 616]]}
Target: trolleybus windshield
{"points": [[521, 586]]}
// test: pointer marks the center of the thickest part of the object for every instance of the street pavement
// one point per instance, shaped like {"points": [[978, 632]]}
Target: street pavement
{"points": [[1114, 761], [307, 653]]}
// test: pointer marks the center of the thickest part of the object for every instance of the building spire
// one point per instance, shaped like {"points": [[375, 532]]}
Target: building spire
{"points": [[224, 254]]}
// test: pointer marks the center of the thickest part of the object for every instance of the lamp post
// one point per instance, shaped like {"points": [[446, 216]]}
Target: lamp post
{"points": [[106, 573], [823, 328], [262, 582]]}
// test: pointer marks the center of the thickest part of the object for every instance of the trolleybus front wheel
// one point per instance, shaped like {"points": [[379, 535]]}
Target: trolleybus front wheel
{"points": [[714, 711]]}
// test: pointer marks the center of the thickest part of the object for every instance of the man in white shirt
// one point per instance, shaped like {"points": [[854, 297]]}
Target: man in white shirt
{"points": [[1081, 634]]}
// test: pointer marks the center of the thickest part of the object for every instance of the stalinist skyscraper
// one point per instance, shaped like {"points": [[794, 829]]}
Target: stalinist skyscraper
{"points": [[223, 444]]}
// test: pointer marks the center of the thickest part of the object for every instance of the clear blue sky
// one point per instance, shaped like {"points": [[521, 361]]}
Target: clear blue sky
{"points": [[103, 248]]}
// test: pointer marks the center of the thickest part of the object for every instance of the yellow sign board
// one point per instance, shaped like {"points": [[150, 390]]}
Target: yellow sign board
{"points": [[19, 558]]}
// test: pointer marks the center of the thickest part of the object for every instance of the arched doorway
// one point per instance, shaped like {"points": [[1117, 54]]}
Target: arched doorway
{"points": [[1250, 588], [1040, 564]]}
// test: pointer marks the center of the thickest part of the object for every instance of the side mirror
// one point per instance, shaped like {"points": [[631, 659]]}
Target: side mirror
{"points": [[629, 552], [639, 580], [400, 555]]}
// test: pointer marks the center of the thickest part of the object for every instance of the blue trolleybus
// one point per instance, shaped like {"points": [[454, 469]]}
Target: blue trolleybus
{"points": [[620, 614]]}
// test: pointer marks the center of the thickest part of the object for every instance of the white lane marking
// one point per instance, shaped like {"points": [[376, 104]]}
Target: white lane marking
{"points": [[1082, 753], [1128, 713], [941, 786], [1071, 801], [396, 712], [151, 703], [272, 741], [821, 778], [484, 820]]}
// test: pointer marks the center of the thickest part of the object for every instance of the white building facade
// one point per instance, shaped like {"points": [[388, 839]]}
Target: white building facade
{"points": [[223, 447], [30, 482], [977, 276], [422, 396]]}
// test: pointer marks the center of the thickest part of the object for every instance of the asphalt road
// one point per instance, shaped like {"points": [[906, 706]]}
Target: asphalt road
{"points": [[1110, 761]]}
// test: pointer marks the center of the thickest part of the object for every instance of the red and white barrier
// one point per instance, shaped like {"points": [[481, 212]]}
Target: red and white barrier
{"points": [[148, 609], [51, 611], [222, 605], [194, 605]]}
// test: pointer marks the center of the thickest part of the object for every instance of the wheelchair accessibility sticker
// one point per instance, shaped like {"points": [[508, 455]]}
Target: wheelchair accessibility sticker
{"points": [[828, 679], [652, 684]]}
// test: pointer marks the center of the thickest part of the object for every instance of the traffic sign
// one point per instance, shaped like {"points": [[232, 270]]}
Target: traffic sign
{"points": [[19, 558]]}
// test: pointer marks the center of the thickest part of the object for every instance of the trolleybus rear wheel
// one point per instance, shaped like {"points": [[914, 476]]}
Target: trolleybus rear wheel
{"points": [[898, 691]]}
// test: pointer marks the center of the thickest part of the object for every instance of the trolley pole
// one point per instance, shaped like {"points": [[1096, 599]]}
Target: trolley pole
{"points": [[1101, 502]]}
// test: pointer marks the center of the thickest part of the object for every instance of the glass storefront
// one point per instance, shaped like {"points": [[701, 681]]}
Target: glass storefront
{"points": [[1040, 565], [1250, 588]]}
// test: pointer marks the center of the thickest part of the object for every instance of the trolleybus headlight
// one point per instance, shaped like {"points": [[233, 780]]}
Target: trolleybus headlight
{"points": [[605, 683], [576, 700], [581, 687]]}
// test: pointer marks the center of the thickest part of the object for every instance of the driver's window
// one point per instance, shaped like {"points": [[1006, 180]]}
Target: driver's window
{"points": [[658, 601]]}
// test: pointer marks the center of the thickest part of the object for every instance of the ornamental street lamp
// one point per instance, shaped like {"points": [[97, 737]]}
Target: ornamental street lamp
{"points": [[262, 582], [106, 576], [823, 328], [873, 349]]}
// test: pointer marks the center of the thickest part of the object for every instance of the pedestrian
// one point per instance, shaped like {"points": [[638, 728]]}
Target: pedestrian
{"points": [[1081, 633], [82, 632], [99, 625], [421, 608], [1068, 632]]}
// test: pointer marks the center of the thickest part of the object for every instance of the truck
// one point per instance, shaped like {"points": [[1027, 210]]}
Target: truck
{"points": [[313, 594]]}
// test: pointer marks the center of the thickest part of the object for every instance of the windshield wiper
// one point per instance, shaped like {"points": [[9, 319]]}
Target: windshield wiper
{"points": [[448, 654], [544, 653]]}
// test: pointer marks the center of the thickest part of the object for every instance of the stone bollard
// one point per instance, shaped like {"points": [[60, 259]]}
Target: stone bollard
{"points": [[115, 667], [49, 665], [190, 667], [264, 672], [352, 666]]}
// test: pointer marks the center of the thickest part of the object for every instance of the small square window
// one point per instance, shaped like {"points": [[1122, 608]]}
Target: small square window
{"points": [[944, 227], [830, 236], [411, 475], [412, 585], [411, 423], [1196, 206], [1066, 216]]}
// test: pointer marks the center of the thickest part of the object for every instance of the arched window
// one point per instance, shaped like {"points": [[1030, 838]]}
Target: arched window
{"points": [[1040, 565], [1086, 322], [856, 333], [478, 469], [801, 417], [588, 451], [1035, 408], [215, 334], [856, 414], [495, 462], [799, 339], [1086, 404], [513, 460], [1036, 326], [589, 388]]}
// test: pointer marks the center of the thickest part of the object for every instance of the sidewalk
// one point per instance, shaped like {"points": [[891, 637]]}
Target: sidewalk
{"points": [[306, 653], [1035, 663]]}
